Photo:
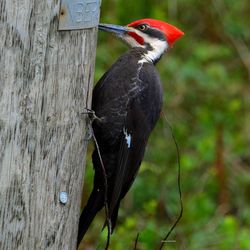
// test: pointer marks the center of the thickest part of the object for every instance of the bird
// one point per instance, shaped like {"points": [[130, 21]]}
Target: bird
{"points": [[126, 102]]}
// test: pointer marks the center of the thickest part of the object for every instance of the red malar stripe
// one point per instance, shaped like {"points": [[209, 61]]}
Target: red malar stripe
{"points": [[138, 38]]}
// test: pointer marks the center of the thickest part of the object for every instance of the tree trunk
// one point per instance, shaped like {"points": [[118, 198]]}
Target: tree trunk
{"points": [[45, 84]]}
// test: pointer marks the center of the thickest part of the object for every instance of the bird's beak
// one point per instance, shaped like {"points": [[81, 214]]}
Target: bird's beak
{"points": [[116, 29]]}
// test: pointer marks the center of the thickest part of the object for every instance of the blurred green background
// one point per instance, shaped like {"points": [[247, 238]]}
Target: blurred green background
{"points": [[207, 101]]}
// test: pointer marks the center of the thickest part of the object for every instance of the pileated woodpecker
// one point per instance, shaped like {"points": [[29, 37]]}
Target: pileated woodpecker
{"points": [[127, 101]]}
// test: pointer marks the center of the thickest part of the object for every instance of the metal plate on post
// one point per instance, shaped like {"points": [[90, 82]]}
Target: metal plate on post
{"points": [[79, 14]]}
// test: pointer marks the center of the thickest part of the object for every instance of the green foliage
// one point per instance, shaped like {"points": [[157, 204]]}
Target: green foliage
{"points": [[206, 98]]}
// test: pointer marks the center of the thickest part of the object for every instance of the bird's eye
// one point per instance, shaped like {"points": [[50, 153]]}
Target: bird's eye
{"points": [[142, 27]]}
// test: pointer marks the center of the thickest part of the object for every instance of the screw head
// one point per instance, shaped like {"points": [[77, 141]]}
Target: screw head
{"points": [[63, 197]]}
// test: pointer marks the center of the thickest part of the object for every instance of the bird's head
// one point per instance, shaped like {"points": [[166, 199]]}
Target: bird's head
{"points": [[153, 35]]}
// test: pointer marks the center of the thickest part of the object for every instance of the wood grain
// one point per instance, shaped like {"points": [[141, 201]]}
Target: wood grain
{"points": [[45, 79]]}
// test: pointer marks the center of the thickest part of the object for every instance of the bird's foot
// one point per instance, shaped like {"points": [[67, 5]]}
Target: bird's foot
{"points": [[91, 114]]}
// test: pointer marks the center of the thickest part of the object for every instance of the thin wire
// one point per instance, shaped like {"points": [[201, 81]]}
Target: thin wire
{"points": [[105, 191], [178, 181]]}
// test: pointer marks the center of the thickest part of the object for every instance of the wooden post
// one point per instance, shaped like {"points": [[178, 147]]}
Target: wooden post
{"points": [[45, 84]]}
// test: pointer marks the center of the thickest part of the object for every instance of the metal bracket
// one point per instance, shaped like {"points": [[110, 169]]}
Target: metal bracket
{"points": [[79, 14]]}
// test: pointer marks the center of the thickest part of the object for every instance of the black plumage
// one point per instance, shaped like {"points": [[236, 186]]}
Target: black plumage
{"points": [[128, 100]]}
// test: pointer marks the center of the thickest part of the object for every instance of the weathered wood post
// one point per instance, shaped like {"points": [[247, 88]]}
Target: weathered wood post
{"points": [[45, 83]]}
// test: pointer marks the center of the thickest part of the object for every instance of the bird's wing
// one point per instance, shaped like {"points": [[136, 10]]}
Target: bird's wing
{"points": [[133, 142], [142, 114]]}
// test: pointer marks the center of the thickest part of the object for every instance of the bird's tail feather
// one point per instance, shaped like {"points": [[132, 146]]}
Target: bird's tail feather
{"points": [[94, 204]]}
